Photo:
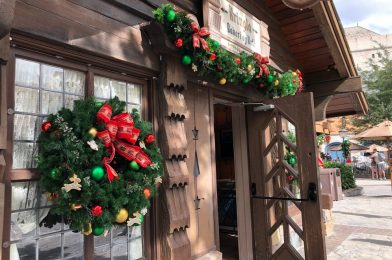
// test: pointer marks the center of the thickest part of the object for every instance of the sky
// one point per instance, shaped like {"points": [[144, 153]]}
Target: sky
{"points": [[375, 15]]}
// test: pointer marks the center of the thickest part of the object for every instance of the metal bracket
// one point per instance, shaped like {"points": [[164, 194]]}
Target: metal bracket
{"points": [[312, 194]]}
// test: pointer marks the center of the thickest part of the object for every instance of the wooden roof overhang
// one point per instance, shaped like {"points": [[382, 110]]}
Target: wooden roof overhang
{"points": [[316, 39]]}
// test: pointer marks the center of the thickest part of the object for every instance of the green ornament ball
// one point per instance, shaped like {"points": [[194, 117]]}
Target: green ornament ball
{"points": [[97, 173], [134, 166], [98, 230], [54, 173], [215, 44], [186, 60], [270, 78], [290, 87], [292, 160], [171, 15], [246, 80], [98, 104]]}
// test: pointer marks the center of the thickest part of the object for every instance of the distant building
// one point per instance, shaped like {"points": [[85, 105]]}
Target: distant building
{"points": [[365, 44]]}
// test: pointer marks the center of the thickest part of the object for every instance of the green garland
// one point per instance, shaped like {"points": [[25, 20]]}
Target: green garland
{"points": [[212, 60], [70, 162], [346, 148]]}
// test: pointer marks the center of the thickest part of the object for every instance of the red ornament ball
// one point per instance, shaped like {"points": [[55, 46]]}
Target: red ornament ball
{"points": [[150, 139], [96, 211], [179, 43], [46, 126], [237, 60], [261, 85], [147, 193], [212, 56], [290, 177]]}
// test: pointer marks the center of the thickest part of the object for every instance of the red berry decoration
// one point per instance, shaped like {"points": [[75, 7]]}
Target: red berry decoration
{"points": [[147, 193], [96, 211], [46, 126], [150, 139], [212, 56], [178, 43], [237, 60], [290, 177]]}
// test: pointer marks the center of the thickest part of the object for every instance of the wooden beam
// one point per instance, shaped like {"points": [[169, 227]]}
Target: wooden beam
{"points": [[328, 88], [320, 107], [331, 36]]}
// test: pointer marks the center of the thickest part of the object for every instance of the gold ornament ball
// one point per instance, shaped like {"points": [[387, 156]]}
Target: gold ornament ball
{"points": [[294, 74], [93, 132], [87, 229], [222, 81], [249, 67], [122, 216], [276, 83]]}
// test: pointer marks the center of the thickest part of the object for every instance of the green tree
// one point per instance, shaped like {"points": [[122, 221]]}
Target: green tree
{"points": [[377, 79]]}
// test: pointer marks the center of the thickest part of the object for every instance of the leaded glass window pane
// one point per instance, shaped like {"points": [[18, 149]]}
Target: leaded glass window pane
{"points": [[40, 89], [52, 78], [27, 73], [74, 82], [26, 100]]}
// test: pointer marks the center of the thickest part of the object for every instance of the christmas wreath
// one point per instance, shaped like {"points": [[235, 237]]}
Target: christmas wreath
{"points": [[207, 57], [99, 166]]}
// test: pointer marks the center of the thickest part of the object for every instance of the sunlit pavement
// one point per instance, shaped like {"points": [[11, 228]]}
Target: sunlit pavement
{"points": [[363, 224]]}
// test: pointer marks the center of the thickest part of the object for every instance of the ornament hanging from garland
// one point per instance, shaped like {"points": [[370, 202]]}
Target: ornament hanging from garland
{"points": [[209, 58], [98, 163]]}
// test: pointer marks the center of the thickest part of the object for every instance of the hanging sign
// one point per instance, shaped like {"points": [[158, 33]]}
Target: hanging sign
{"points": [[235, 28]]}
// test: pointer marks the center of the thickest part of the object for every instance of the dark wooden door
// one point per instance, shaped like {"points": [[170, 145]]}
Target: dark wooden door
{"points": [[283, 168]]}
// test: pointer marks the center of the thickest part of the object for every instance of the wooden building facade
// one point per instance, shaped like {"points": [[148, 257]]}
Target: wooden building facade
{"points": [[54, 52]]}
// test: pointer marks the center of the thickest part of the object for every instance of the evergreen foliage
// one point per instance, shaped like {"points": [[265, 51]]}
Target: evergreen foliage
{"points": [[224, 66], [63, 152], [346, 171]]}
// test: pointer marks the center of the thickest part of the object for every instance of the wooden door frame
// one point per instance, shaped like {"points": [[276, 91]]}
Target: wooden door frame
{"points": [[242, 177]]}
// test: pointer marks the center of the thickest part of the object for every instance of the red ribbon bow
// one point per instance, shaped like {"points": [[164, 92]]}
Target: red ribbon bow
{"points": [[262, 63], [120, 128], [300, 85], [198, 35]]}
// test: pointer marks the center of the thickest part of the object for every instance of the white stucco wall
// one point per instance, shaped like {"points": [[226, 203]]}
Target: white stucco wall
{"points": [[364, 44]]}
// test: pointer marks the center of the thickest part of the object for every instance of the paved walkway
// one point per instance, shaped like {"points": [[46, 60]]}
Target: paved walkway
{"points": [[363, 224]]}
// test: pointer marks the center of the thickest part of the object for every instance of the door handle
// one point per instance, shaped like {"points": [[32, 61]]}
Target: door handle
{"points": [[312, 194]]}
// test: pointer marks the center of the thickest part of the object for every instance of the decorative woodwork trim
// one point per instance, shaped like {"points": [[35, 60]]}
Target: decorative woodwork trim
{"points": [[177, 173], [173, 207]]}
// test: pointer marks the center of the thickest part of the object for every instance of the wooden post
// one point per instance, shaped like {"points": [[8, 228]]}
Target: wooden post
{"points": [[1, 215], [5, 200], [88, 247]]}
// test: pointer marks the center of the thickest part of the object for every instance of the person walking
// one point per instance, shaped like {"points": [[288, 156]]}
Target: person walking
{"points": [[374, 162], [378, 165]]}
